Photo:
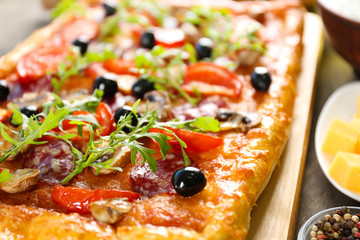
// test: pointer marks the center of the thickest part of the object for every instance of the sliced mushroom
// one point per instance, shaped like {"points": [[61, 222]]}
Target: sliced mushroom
{"points": [[110, 210], [192, 33], [242, 121], [121, 158], [36, 99], [156, 100], [21, 180]]}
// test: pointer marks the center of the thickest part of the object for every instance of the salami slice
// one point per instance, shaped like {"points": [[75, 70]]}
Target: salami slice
{"points": [[148, 183], [54, 160]]}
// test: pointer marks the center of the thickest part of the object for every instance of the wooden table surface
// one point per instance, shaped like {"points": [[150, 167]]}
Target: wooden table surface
{"points": [[19, 18]]}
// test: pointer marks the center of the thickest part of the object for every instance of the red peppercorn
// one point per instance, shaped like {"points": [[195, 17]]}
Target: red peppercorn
{"points": [[321, 237], [357, 234], [358, 225]]}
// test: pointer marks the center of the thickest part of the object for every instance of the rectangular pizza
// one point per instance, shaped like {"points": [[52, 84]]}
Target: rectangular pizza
{"points": [[146, 119]]}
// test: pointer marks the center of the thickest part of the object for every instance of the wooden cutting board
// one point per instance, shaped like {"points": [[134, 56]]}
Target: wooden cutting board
{"points": [[275, 214]]}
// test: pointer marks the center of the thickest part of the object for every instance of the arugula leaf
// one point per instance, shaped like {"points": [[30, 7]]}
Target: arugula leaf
{"points": [[4, 175], [75, 63], [65, 6], [28, 136], [156, 61]]}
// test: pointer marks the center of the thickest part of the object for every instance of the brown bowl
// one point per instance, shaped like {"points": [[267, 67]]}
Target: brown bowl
{"points": [[344, 35]]}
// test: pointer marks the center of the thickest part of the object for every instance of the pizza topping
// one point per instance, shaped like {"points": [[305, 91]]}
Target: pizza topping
{"points": [[194, 141], [114, 161], [21, 180], [110, 210], [36, 99], [169, 37], [74, 63], [238, 120], [142, 86], [79, 27], [147, 40], [149, 183], [124, 112], [188, 181], [210, 79], [4, 90], [54, 159], [78, 199], [156, 100], [82, 43], [106, 83], [169, 71], [261, 79], [204, 48], [4, 175], [29, 111], [69, 6], [109, 9], [38, 62]]}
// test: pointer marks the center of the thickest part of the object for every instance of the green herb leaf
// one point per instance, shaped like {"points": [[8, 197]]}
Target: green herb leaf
{"points": [[5, 175], [65, 6]]}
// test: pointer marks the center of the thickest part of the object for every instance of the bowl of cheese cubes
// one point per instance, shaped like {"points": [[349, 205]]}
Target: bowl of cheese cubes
{"points": [[337, 139]]}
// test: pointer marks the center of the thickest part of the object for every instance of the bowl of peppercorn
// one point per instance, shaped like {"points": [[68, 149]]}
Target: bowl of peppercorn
{"points": [[333, 223]]}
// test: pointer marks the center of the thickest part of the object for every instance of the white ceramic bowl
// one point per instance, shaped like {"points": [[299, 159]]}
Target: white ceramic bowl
{"points": [[341, 104]]}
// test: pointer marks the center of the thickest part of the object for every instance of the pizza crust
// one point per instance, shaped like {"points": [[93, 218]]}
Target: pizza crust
{"points": [[230, 218]]}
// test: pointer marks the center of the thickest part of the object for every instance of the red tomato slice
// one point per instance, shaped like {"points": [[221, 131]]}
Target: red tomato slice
{"points": [[120, 66], [210, 79], [73, 199], [103, 115], [78, 199], [105, 118], [79, 27], [5, 116], [94, 70], [196, 142], [38, 62], [169, 37], [100, 194]]}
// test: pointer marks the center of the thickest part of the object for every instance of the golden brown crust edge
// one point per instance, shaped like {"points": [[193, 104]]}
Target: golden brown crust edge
{"points": [[230, 223]]}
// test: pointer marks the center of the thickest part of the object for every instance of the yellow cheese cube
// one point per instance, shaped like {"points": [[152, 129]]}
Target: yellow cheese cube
{"points": [[345, 170], [340, 137], [357, 114], [355, 122]]}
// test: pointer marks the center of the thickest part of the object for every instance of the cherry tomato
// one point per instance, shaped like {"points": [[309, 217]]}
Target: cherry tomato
{"points": [[103, 115], [210, 79], [38, 62], [120, 66], [79, 27], [169, 37], [196, 142], [78, 199]]}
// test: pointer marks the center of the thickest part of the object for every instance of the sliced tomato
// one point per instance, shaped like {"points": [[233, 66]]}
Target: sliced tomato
{"points": [[120, 66], [105, 118], [6, 116], [94, 70], [103, 115], [209, 79], [169, 37], [38, 62], [83, 27], [100, 194], [78, 199], [195, 142]]}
